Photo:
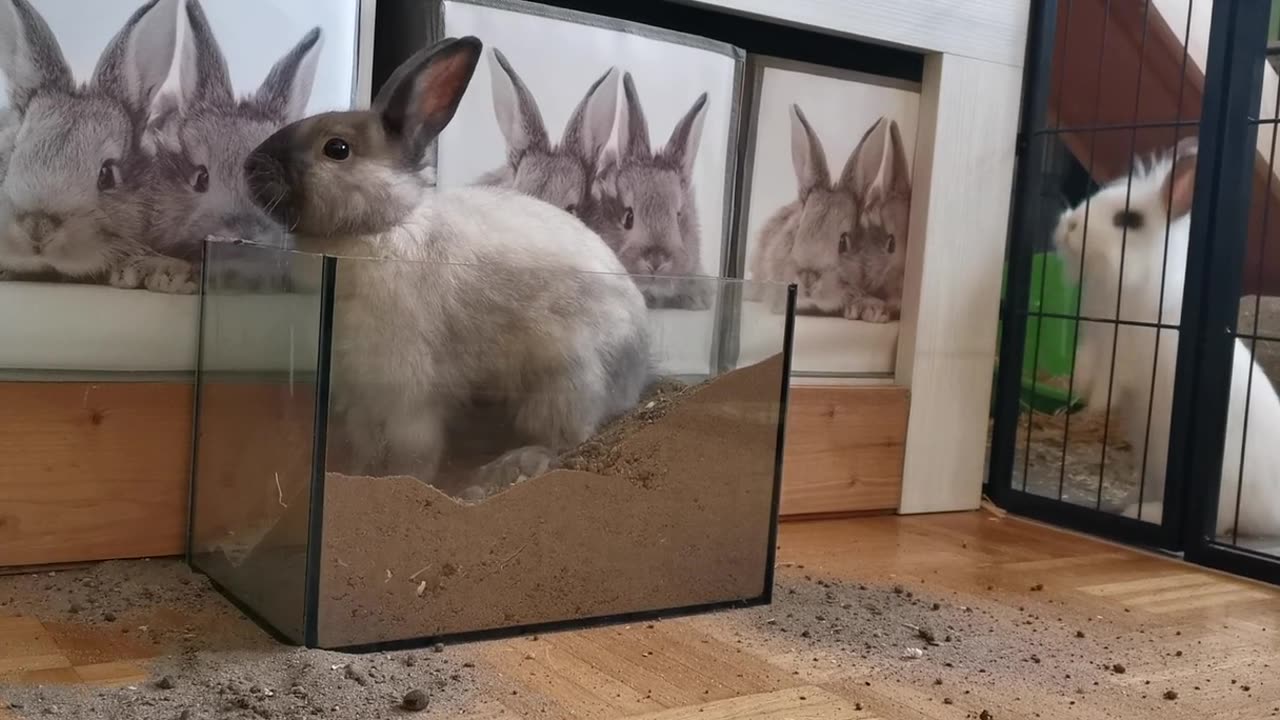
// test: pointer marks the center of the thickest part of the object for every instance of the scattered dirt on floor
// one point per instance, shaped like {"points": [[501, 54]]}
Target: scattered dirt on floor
{"points": [[1004, 650], [202, 659]]}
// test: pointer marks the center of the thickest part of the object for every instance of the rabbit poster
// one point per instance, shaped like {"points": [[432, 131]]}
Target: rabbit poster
{"points": [[829, 167], [126, 124], [633, 131]]}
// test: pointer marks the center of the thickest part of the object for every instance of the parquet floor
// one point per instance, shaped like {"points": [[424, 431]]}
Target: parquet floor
{"points": [[1213, 637]]}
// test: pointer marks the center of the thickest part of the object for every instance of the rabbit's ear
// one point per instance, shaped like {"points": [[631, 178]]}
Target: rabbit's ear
{"points": [[592, 121], [420, 98], [683, 145], [137, 60], [862, 172], [807, 155], [1179, 187], [517, 112], [30, 55], [633, 131], [285, 92], [203, 72], [897, 172], [606, 179]]}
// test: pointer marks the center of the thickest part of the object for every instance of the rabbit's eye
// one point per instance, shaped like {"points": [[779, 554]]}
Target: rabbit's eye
{"points": [[628, 218], [844, 242], [108, 175], [1128, 219], [201, 180], [337, 149], [890, 244]]}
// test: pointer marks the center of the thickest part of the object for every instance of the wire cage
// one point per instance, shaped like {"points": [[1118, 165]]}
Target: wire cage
{"points": [[346, 503], [1140, 352]]}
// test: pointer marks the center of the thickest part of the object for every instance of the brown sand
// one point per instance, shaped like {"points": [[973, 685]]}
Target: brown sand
{"points": [[675, 512]]}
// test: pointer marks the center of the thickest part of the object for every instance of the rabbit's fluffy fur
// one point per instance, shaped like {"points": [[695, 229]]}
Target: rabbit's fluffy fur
{"points": [[1094, 237], [483, 292], [842, 243]]}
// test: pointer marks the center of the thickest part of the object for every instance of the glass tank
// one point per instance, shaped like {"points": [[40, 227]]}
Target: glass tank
{"points": [[384, 467]]}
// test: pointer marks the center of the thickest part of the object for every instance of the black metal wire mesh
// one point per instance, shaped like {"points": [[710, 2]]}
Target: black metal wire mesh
{"points": [[1102, 113], [1103, 251]]}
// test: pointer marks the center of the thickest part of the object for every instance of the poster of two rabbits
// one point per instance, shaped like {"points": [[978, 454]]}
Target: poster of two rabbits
{"points": [[634, 133], [127, 123], [827, 209]]}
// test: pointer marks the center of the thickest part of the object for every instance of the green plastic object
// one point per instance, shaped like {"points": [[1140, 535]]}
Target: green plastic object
{"points": [[1050, 341]]}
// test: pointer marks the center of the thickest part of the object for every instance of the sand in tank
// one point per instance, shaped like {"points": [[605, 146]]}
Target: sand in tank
{"points": [[666, 507]]}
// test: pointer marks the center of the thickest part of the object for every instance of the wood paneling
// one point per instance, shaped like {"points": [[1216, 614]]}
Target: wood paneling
{"points": [[92, 471], [845, 449], [101, 471]]}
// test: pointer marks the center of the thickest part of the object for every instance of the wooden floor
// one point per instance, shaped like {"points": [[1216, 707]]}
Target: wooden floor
{"points": [[1210, 638]]}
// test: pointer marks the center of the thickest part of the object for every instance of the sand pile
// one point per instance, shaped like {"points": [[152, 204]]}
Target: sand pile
{"points": [[667, 507]]}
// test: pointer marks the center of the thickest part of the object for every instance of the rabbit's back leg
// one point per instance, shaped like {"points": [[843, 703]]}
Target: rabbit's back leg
{"points": [[415, 438], [512, 467], [562, 413]]}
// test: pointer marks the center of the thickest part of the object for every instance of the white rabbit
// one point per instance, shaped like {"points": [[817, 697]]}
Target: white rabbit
{"points": [[475, 293], [1160, 196], [70, 205]]}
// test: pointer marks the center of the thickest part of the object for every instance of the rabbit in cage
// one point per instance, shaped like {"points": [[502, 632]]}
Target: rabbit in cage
{"points": [[1096, 238], [69, 203], [471, 291], [200, 137], [643, 205], [560, 174]]}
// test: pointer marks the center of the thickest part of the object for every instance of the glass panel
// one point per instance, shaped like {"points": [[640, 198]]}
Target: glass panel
{"points": [[258, 351], [492, 466]]}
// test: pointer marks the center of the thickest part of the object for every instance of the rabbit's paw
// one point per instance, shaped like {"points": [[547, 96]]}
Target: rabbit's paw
{"points": [[128, 276], [1149, 511], [868, 309], [170, 276], [514, 467], [697, 296]]}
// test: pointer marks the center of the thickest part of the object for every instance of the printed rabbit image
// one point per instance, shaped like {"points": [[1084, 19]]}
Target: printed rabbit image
{"points": [[560, 174], [841, 243], [481, 293], [643, 205], [69, 202], [873, 255], [1095, 237], [202, 134]]}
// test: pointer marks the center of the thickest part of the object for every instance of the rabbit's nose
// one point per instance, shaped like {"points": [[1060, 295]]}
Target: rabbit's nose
{"points": [[39, 227], [659, 260], [808, 278]]}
